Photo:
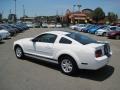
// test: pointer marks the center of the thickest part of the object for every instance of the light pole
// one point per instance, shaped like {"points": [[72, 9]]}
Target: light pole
{"points": [[23, 11], [79, 6], [74, 8], [15, 7]]}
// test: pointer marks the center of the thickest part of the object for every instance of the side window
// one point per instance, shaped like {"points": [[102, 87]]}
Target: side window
{"points": [[113, 28], [48, 38], [65, 41]]}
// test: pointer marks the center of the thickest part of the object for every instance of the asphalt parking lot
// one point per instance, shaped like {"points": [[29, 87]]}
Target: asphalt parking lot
{"points": [[31, 74]]}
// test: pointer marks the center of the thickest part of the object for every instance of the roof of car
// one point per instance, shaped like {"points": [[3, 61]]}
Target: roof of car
{"points": [[58, 32]]}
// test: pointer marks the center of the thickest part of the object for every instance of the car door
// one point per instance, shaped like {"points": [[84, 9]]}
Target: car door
{"points": [[45, 45], [29, 46]]}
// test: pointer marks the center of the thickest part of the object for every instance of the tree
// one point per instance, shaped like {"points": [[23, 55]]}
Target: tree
{"points": [[0, 17], [98, 15], [12, 18], [112, 17]]}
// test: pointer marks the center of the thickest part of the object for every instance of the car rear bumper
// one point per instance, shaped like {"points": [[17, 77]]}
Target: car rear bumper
{"points": [[95, 64]]}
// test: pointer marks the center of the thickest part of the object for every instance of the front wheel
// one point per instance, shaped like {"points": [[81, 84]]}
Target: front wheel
{"points": [[68, 66], [19, 52]]}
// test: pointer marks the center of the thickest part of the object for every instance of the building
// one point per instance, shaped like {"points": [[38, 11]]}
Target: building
{"points": [[78, 17]]}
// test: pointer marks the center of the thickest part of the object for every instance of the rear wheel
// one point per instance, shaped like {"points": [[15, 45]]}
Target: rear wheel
{"points": [[19, 52], [117, 37], [68, 65]]}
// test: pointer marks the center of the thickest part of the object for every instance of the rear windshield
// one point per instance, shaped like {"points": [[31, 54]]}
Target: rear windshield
{"points": [[81, 38]]}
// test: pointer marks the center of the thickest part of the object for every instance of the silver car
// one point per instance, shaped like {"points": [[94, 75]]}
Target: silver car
{"points": [[4, 34], [105, 30]]}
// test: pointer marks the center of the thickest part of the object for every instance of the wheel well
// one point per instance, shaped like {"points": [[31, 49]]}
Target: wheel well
{"points": [[63, 56], [16, 46]]}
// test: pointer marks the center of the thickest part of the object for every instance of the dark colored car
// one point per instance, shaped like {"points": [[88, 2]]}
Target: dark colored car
{"points": [[15, 28], [22, 25], [18, 27], [114, 33]]}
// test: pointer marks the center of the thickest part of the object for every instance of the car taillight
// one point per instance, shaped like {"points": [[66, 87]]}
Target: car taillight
{"points": [[98, 53]]}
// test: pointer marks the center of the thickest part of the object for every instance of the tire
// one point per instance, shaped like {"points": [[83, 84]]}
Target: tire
{"points": [[104, 34], [68, 66], [19, 52], [117, 37]]}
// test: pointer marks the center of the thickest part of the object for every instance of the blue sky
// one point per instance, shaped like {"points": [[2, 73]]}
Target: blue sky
{"points": [[49, 7]]}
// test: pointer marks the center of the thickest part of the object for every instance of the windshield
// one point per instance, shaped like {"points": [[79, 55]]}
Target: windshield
{"points": [[81, 38]]}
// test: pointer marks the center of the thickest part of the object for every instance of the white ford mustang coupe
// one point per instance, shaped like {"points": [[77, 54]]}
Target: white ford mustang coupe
{"points": [[70, 50]]}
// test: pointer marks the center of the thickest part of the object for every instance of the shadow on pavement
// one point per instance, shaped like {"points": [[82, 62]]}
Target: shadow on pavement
{"points": [[2, 42], [7, 38], [96, 75]]}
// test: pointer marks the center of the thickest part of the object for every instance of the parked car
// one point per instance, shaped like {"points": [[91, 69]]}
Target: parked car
{"points": [[73, 26], [15, 28], [10, 28], [104, 31], [86, 30], [4, 34], [58, 25], [44, 25], [29, 24], [20, 28], [70, 50], [52, 25], [80, 27], [97, 27], [114, 33], [11, 31]]}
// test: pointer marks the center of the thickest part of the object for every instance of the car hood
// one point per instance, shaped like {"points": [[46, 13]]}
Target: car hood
{"points": [[23, 40]]}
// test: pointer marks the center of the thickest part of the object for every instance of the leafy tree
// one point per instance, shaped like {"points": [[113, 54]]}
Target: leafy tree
{"points": [[98, 14], [112, 17], [0, 17], [12, 18]]}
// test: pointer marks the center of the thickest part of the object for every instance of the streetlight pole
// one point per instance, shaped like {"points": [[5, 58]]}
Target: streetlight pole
{"points": [[23, 11], [15, 7], [74, 8], [78, 5]]}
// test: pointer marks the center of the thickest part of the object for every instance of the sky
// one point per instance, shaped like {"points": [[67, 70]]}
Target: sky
{"points": [[51, 7]]}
